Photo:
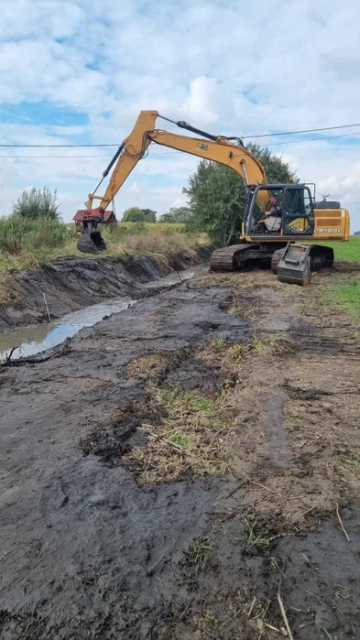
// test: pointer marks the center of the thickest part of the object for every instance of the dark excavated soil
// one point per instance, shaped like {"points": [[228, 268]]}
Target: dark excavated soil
{"points": [[71, 283], [88, 553]]}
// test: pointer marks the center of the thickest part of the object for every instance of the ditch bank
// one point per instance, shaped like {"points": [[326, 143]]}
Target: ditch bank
{"points": [[70, 283]]}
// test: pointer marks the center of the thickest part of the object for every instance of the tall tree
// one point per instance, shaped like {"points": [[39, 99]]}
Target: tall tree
{"points": [[217, 195]]}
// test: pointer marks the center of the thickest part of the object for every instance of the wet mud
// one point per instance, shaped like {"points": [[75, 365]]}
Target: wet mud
{"points": [[99, 542], [71, 283]]}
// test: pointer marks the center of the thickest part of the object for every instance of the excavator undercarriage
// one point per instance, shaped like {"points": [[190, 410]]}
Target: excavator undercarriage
{"points": [[240, 257]]}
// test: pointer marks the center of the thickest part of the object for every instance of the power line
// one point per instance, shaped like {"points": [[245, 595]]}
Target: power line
{"points": [[55, 146], [345, 135], [292, 133], [262, 135], [49, 157], [168, 153], [16, 157]]}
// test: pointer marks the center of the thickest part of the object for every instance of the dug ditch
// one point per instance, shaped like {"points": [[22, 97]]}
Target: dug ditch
{"points": [[71, 283], [109, 531], [30, 340]]}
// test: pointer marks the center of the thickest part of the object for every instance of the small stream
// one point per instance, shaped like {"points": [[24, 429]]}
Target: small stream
{"points": [[30, 340]]}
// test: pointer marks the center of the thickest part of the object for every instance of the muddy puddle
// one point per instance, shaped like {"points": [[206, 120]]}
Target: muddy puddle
{"points": [[28, 341]]}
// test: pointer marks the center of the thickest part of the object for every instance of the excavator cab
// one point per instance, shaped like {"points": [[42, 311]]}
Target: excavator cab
{"points": [[295, 211]]}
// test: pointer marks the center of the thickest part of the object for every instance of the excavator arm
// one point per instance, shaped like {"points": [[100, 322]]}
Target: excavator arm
{"points": [[218, 149]]}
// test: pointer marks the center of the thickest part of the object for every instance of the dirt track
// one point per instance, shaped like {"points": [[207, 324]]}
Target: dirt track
{"points": [[171, 470]]}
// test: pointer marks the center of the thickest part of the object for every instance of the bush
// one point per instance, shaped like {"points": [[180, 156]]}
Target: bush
{"points": [[18, 234], [37, 204]]}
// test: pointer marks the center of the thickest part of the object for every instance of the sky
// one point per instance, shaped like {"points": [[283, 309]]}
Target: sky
{"points": [[79, 72]]}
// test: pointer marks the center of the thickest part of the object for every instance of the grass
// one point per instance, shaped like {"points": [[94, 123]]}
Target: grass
{"points": [[254, 539], [236, 352], [199, 431], [346, 295], [352, 465], [346, 251], [201, 550], [189, 443], [127, 238], [31, 243], [152, 364], [219, 343], [165, 227], [173, 398]]}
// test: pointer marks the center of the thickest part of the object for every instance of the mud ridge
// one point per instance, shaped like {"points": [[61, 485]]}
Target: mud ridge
{"points": [[70, 283]]}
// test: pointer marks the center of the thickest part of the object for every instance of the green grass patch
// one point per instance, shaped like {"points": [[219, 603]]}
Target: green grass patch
{"points": [[192, 441], [346, 295], [175, 398], [345, 251], [165, 227], [218, 343], [254, 539]]}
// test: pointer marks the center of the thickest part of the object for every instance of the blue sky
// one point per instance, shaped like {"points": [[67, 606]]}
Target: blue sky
{"points": [[76, 72]]}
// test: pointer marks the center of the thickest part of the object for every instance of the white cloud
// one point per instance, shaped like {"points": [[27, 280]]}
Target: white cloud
{"points": [[237, 68]]}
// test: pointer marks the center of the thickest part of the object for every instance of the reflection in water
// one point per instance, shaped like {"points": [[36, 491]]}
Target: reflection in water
{"points": [[35, 339]]}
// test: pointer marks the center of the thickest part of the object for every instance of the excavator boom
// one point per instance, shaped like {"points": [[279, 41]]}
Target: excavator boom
{"points": [[219, 149]]}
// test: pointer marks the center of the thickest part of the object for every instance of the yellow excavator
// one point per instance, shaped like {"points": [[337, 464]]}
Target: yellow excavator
{"points": [[276, 215]]}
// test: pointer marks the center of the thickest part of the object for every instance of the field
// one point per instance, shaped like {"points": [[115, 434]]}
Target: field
{"points": [[346, 251], [340, 292]]}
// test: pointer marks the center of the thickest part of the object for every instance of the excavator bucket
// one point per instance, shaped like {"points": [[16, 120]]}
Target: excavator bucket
{"points": [[295, 265], [91, 241]]}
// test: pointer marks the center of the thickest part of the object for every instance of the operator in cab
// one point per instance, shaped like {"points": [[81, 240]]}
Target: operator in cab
{"points": [[273, 208], [271, 223]]}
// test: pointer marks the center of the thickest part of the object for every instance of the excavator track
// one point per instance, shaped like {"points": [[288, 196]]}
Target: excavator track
{"points": [[228, 258]]}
